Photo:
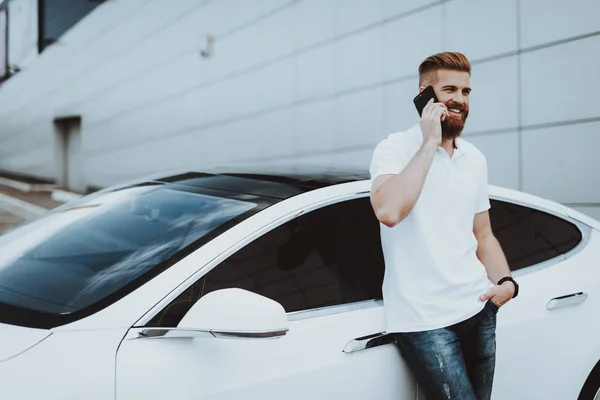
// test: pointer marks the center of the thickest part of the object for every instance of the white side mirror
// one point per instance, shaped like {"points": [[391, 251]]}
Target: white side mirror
{"points": [[229, 313]]}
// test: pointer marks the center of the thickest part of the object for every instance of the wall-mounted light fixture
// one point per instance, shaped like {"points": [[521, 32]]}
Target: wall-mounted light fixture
{"points": [[208, 47]]}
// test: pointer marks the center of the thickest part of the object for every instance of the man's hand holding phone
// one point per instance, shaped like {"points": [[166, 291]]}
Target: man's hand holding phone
{"points": [[431, 121]]}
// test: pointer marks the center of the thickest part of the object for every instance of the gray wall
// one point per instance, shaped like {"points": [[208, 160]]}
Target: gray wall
{"points": [[314, 80]]}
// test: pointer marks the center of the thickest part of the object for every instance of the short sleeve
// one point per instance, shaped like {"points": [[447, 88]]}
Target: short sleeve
{"points": [[387, 159], [483, 198]]}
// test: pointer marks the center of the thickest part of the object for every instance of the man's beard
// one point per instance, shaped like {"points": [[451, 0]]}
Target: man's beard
{"points": [[452, 126]]}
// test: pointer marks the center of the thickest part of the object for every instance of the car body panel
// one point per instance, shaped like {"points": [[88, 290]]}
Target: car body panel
{"points": [[15, 340], [308, 362], [67, 365], [544, 353]]}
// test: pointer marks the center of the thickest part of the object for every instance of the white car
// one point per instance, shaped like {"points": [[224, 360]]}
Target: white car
{"points": [[266, 284]]}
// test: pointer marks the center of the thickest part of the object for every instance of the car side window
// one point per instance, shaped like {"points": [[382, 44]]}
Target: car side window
{"points": [[529, 236], [326, 257]]}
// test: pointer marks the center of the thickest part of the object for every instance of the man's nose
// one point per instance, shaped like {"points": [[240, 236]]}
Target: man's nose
{"points": [[458, 98]]}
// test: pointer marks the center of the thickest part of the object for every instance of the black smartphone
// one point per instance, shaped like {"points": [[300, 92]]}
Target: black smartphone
{"points": [[422, 98]]}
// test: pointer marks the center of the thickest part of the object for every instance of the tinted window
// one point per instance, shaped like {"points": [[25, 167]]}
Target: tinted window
{"points": [[81, 254], [327, 257], [530, 236]]}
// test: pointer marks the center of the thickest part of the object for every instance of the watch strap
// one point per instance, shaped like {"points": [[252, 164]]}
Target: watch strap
{"points": [[510, 279]]}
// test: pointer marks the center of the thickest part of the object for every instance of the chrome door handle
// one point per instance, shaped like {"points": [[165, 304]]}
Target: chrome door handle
{"points": [[367, 342], [206, 333], [567, 300]]}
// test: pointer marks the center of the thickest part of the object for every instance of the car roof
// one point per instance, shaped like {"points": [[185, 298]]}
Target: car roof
{"points": [[282, 181], [274, 181]]}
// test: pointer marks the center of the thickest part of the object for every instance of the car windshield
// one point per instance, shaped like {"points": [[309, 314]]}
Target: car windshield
{"points": [[79, 254]]}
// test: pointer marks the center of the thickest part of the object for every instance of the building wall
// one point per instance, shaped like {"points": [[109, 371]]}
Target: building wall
{"points": [[23, 33], [314, 80]]}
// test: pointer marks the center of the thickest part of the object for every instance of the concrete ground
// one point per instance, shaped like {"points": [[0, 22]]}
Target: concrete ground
{"points": [[9, 220], [18, 205]]}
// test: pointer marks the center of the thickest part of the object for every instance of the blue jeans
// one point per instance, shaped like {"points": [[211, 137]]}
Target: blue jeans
{"points": [[456, 362]]}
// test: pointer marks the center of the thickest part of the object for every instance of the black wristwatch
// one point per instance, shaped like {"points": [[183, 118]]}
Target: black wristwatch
{"points": [[510, 279]]}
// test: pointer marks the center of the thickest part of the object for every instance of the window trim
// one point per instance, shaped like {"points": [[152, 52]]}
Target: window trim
{"points": [[335, 309], [362, 304]]}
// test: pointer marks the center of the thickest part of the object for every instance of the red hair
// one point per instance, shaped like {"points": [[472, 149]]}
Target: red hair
{"points": [[448, 60]]}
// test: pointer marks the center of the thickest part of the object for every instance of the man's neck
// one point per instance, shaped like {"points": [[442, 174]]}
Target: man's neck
{"points": [[449, 145]]}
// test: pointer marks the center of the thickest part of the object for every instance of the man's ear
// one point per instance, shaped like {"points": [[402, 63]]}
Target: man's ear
{"points": [[421, 89]]}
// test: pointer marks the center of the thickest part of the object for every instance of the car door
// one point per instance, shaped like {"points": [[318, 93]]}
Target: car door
{"points": [[325, 267], [544, 336]]}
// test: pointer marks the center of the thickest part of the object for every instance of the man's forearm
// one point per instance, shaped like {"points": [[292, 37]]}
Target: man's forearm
{"points": [[397, 196], [491, 255]]}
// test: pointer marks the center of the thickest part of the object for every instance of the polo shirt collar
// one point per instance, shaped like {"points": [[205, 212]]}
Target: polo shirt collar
{"points": [[459, 145]]}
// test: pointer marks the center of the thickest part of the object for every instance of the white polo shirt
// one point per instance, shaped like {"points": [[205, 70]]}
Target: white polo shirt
{"points": [[433, 277]]}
